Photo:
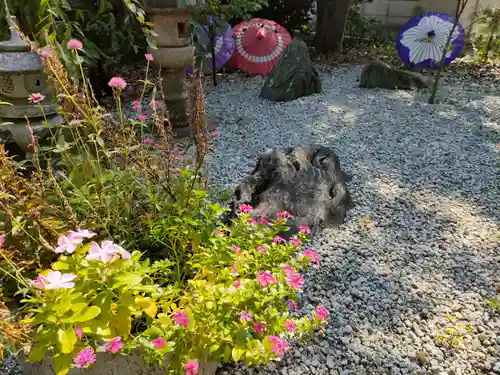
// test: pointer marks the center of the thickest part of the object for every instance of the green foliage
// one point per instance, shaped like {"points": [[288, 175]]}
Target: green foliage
{"points": [[358, 27], [487, 35], [453, 334], [108, 298], [292, 15]]}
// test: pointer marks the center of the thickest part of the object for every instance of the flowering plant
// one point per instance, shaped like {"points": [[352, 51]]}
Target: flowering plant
{"points": [[236, 307]]}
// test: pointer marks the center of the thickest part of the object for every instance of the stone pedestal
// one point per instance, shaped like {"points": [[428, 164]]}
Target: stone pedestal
{"points": [[174, 54]]}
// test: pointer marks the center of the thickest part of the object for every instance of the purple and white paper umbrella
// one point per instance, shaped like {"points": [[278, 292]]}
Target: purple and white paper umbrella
{"points": [[224, 44], [422, 40]]}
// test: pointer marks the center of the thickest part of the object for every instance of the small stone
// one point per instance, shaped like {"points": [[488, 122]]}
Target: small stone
{"points": [[330, 362], [422, 357]]}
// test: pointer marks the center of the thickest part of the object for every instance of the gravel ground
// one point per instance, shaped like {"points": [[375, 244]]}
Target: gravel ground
{"points": [[423, 240]]}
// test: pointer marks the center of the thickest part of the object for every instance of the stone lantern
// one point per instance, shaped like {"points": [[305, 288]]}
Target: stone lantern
{"points": [[174, 55], [22, 74]]}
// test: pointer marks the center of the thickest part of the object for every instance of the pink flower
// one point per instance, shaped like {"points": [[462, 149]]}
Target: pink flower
{"points": [[234, 269], [295, 241], [136, 105], [237, 284], [117, 82], [65, 244], [181, 318], [159, 343], [292, 305], [216, 134], [2, 238], [148, 141], [219, 233], [80, 234], [265, 278], [79, 332], [191, 367], [245, 316], [288, 269], [261, 249], [236, 249], [106, 252], [284, 215], [85, 357], [290, 325], [262, 221], [142, 117], [148, 56], [278, 239], [46, 52], [279, 345], [321, 313], [251, 221], [35, 98], [295, 280], [40, 282], [258, 327], [57, 280], [308, 253], [304, 229], [74, 44], [245, 208], [115, 345]]}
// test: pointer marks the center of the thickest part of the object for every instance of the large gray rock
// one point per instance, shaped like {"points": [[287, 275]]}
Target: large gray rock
{"points": [[378, 74], [307, 182], [293, 76]]}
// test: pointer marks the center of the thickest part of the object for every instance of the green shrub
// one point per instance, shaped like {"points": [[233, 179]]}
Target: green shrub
{"points": [[486, 38]]}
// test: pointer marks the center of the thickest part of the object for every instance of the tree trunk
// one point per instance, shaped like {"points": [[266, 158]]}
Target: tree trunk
{"points": [[331, 20]]}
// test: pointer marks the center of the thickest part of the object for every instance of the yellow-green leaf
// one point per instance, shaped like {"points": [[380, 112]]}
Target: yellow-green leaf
{"points": [[37, 353], [237, 353], [88, 314], [61, 364], [67, 339], [151, 310]]}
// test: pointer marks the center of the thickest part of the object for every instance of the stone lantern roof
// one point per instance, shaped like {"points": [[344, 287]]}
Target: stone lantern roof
{"points": [[19, 58]]}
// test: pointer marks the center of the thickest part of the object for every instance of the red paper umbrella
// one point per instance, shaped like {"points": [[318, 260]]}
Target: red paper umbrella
{"points": [[259, 45]]}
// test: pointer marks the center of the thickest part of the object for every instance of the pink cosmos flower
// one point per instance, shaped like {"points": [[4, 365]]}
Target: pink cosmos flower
{"points": [[142, 117], [234, 269], [216, 134], [262, 221], [136, 105], [261, 249], [237, 283], [321, 313], [295, 241], [251, 221], [79, 332], [308, 253], [292, 305], [278, 239], [74, 44], [106, 252], [265, 278], [148, 141], [288, 269], [295, 280], [304, 229], [290, 325], [57, 280], [236, 249], [191, 367], [246, 208], [245, 316], [115, 345], [159, 343], [258, 327], [46, 52], [85, 357], [118, 83], [279, 345], [39, 282], [284, 215], [148, 56], [35, 98], [181, 318]]}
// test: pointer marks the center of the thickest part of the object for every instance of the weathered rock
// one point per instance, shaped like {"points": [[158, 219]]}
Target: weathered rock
{"points": [[378, 74], [293, 76], [307, 182]]}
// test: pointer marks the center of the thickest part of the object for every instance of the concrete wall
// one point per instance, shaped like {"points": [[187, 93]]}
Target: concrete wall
{"points": [[395, 13]]}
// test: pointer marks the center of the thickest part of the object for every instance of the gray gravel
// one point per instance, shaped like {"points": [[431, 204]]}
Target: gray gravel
{"points": [[423, 240]]}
